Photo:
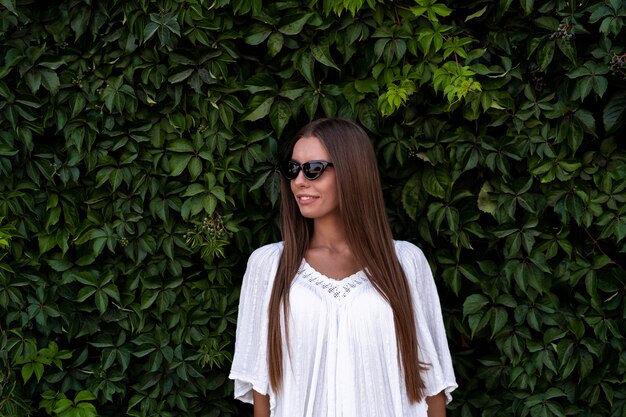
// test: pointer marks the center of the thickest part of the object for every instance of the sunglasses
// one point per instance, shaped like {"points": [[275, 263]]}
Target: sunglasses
{"points": [[312, 169]]}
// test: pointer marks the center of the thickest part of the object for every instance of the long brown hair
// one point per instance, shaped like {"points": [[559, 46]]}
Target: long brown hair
{"points": [[368, 235]]}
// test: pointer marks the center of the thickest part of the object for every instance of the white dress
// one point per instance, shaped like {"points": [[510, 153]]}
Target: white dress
{"points": [[343, 358]]}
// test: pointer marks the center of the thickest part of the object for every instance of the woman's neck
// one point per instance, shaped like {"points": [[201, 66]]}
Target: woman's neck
{"points": [[329, 234]]}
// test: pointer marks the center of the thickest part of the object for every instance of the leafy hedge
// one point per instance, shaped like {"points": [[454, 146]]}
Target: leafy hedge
{"points": [[137, 146]]}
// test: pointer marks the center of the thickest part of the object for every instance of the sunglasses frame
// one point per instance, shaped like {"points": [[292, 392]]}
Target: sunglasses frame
{"points": [[305, 167]]}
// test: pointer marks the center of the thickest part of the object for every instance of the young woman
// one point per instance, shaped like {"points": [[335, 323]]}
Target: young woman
{"points": [[339, 320]]}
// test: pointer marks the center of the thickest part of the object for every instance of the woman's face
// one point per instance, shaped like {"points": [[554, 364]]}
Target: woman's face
{"points": [[317, 199]]}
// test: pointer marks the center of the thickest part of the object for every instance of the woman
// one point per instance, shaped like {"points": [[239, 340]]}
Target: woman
{"points": [[339, 320]]}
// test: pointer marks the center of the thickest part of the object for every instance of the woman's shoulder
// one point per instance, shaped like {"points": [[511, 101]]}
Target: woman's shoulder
{"points": [[266, 253], [408, 251], [262, 265], [415, 265]]}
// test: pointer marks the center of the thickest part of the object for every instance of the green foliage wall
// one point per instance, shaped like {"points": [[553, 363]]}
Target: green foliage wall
{"points": [[137, 146]]}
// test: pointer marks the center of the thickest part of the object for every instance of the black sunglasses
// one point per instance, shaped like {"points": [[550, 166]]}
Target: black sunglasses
{"points": [[312, 169]]}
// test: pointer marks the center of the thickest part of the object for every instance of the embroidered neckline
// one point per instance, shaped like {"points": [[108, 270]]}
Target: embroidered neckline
{"points": [[338, 288]]}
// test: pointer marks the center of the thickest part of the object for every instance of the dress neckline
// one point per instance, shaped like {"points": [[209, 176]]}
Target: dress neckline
{"points": [[305, 266]]}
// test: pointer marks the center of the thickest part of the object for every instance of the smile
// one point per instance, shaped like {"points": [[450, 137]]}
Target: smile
{"points": [[303, 199]]}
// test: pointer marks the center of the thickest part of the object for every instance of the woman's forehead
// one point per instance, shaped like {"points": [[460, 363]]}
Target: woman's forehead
{"points": [[308, 148]]}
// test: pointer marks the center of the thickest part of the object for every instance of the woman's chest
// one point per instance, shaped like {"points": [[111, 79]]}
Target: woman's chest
{"points": [[351, 308]]}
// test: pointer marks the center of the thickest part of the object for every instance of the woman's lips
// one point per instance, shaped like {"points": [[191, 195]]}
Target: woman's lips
{"points": [[304, 199]]}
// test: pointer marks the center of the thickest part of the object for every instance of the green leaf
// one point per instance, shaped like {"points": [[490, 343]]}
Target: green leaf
{"points": [[59, 265], [261, 108], [547, 22], [50, 81], [180, 145], [600, 85], [304, 63], [293, 93], [599, 13], [9, 5], [62, 406], [568, 47], [79, 103], [219, 193], [272, 188], [84, 396], [528, 6], [436, 181], [479, 321], [208, 204], [587, 120], [80, 22], [102, 301], [441, 9], [474, 15], [486, 202], [368, 85], [180, 76], [545, 55], [260, 181], [474, 303], [33, 80], [275, 43], [194, 189], [85, 293], [295, 27], [195, 167], [280, 114], [46, 243], [412, 201], [500, 318], [259, 35], [321, 53], [148, 298], [27, 371], [178, 163]]}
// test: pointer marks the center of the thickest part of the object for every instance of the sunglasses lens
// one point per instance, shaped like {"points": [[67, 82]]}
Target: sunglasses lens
{"points": [[291, 169], [312, 170]]}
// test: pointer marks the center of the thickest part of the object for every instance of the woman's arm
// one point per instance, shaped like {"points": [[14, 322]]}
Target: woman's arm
{"points": [[436, 405], [261, 404]]}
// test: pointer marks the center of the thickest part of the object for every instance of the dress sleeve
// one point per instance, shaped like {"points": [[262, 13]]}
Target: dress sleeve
{"points": [[249, 370], [431, 333]]}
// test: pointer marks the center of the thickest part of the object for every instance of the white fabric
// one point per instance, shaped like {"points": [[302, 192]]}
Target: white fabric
{"points": [[343, 359]]}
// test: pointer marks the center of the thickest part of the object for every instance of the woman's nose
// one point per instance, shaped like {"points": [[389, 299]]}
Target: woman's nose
{"points": [[300, 180]]}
